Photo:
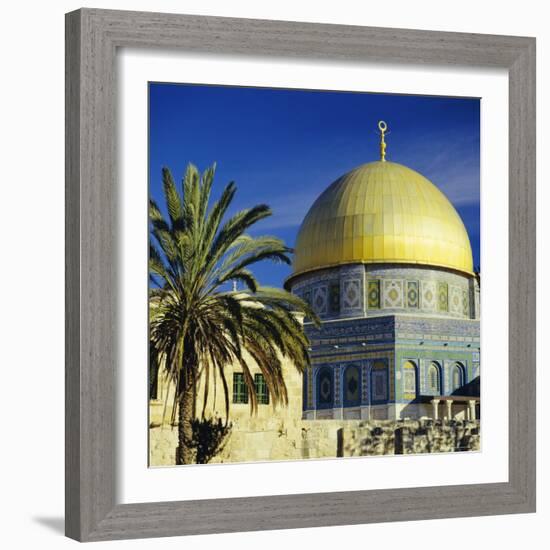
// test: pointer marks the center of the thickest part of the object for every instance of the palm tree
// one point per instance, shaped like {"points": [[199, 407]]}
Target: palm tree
{"points": [[198, 325]]}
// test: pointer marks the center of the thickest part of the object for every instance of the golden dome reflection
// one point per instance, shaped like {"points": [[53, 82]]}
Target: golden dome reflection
{"points": [[382, 212]]}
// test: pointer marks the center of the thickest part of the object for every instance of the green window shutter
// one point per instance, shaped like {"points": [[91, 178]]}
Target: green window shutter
{"points": [[262, 393], [240, 391]]}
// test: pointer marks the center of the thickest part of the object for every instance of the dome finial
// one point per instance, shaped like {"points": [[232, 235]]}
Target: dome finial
{"points": [[382, 126]]}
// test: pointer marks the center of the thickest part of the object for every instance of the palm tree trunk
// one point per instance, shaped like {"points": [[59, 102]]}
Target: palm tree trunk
{"points": [[186, 451]]}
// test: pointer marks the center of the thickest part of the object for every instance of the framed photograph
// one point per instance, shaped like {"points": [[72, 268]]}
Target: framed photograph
{"points": [[291, 251]]}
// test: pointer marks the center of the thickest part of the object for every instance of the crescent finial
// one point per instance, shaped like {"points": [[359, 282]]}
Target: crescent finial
{"points": [[382, 126]]}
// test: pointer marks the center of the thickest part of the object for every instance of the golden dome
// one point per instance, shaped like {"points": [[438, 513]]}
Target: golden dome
{"points": [[382, 212]]}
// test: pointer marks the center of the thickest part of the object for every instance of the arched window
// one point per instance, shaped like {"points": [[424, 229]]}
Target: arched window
{"points": [[458, 376], [434, 382], [352, 386], [379, 382], [325, 389], [409, 380]]}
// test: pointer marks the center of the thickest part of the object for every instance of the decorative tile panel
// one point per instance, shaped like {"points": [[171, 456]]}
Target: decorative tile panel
{"points": [[442, 297], [352, 385], [379, 381], [353, 296], [365, 388], [374, 294], [372, 290], [393, 293], [429, 294], [337, 391], [412, 294], [325, 387], [320, 300], [455, 300], [465, 303]]}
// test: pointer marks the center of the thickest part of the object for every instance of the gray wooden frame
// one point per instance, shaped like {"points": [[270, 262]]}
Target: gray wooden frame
{"points": [[92, 39]]}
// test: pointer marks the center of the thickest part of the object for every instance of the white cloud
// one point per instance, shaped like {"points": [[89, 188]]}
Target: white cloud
{"points": [[289, 210]]}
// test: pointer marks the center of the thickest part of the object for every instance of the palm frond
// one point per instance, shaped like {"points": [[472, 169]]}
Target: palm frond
{"points": [[198, 329], [173, 200]]}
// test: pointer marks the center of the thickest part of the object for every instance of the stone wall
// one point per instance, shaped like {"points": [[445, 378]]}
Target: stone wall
{"points": [[409, 437], [254, 439], [258, 440]]}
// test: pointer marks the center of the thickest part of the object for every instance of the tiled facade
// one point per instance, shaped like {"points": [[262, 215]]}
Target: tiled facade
{"points": [[391, 337], [369, 290]]}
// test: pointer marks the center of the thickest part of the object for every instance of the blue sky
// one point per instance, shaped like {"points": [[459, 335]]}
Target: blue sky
{"points": [[284, 147]]}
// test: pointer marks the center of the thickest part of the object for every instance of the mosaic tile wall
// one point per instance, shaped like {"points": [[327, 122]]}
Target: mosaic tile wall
{"points": [[368, 290], [385, 345], [388, 316]]}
